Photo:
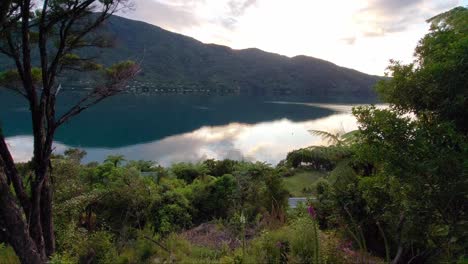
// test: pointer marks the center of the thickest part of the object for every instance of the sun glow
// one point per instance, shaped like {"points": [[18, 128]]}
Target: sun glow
{"points": [[359, 34]]}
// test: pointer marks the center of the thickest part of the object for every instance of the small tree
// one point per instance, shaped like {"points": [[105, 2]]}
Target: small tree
{"points": [[53, 31]]}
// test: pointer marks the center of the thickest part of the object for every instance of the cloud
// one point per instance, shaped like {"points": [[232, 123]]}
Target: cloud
{"points": [[380, 17], [173, 16], [21, 147], [349, 40], [180, 15], [238, 8], [228, 23]]}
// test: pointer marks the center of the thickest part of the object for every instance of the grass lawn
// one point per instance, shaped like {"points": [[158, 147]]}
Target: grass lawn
{"points": [[302, 179]]}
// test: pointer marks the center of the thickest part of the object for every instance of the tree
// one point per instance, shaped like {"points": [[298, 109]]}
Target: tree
{"points": [[51, 36], [75, 154], [115, 160], [416, 192], [434, 86]]}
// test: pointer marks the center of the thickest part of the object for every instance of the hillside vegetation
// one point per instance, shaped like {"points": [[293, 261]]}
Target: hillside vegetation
{"points": [[171, 62]]}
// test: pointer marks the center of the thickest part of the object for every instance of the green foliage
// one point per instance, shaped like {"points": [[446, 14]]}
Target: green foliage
{"points": [[12, 79], [260, 190], [220, 167], [115, 160], [121, 71], [75, 62], [75, 154], [171, 213], [298, 242], [434, 86], [112, 208], [188, 171], [81, 246], [143, 165], [403, 184], [214, 199], [7, 255], [101, 247], [318, 158], [429, 190], [305, 244]]}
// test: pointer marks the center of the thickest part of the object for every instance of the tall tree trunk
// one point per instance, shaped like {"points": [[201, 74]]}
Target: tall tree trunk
{"points": [[16, 229], [47, 217], [40, 167], [35, 224]]}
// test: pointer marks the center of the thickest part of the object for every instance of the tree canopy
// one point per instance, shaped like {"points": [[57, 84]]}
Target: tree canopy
{"points": [[434, 86]]}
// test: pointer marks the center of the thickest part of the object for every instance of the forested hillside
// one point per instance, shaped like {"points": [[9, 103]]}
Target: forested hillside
{"points": [[171, 61]]}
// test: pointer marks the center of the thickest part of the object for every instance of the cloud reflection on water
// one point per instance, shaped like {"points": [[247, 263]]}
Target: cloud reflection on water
{"points": [[266, 141]]}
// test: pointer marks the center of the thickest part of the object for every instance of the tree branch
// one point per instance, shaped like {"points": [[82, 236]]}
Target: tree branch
{"points": [[118, 78]]}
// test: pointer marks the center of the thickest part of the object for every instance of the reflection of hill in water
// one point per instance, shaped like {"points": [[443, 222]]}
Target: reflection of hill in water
{"points": [[133, 119]]}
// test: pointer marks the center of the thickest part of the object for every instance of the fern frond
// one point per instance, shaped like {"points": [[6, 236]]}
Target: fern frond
{"points": [[329, 137]]}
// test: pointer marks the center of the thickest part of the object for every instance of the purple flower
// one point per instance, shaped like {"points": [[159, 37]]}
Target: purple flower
{"points": [[312, 212], [279, 244]]}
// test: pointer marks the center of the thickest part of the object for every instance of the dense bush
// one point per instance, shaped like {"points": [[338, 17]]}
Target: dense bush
{"points": [[219, 168], [214, 199], [402, 192], [171, 213], [298, 242], [188, 171], [116, 212]]}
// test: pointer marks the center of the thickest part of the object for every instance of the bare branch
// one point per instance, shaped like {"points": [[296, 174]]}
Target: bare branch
{"points": [[117, 76]]}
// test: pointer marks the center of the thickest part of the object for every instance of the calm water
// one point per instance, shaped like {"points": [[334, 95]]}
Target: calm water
{"points": [[172, 128]]}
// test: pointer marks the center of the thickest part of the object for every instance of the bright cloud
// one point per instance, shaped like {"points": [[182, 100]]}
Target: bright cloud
{"points": [[359, 34]]}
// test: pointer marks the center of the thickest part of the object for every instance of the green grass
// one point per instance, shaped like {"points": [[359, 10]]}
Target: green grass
{"points": [[303, 179]]}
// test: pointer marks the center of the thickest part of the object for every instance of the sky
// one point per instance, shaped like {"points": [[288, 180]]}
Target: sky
{"points": [[359, 34]]}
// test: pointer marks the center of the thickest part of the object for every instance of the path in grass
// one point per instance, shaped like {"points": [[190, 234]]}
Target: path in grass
{"points": [[302, 179]]}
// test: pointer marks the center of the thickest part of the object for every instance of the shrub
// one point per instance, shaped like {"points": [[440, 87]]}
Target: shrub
{"points": [[188, 171], [299, 242], [219, 168], [170, 213]]}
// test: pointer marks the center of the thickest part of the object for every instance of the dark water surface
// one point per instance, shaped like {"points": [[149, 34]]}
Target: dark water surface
{"points": [[169, 128]]}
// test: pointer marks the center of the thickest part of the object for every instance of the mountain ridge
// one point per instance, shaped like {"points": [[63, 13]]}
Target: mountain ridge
{"points": [[172, 62]]}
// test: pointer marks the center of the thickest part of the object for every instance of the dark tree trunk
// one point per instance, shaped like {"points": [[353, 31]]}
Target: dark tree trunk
{"points": [[47, 217], [35, 223], [35, 226], [15, 229]]}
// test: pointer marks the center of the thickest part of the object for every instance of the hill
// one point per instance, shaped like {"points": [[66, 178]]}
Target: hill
{"points": [[174, 62]]}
